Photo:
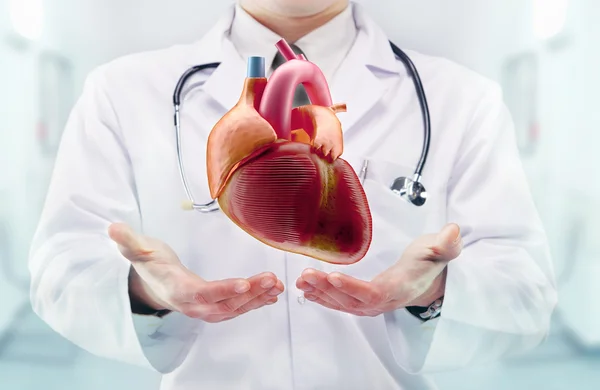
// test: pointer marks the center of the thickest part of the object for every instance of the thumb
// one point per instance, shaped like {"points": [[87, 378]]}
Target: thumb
{"points": [[131, 245], [448, 243]]}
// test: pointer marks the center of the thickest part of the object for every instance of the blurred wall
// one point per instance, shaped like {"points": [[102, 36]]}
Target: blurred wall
{"points": [[571, 190], [94, 32], [21, 169]]}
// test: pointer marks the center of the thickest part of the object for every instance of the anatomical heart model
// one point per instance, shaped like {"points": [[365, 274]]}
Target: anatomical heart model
{"points": [[277, 171]]}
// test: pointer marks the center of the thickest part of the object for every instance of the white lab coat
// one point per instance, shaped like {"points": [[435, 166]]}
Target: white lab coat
{"points": [[117, 163]]}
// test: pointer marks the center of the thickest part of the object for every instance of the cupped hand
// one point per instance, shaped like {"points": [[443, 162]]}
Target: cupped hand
{"points": [[158, 280], [417, 279]]}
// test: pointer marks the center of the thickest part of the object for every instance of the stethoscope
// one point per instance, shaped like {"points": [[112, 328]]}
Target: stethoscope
{"points": [[409, 189]]}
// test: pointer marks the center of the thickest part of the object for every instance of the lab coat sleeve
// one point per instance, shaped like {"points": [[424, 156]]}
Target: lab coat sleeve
{"points": [[79, 279], [500, 292]]}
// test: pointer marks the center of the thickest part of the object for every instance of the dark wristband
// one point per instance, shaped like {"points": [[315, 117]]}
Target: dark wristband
{"points": [[427, 313], [141, 309]]}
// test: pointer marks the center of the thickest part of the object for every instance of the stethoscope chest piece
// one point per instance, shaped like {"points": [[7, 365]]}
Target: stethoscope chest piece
{"points": [[410, 190]]}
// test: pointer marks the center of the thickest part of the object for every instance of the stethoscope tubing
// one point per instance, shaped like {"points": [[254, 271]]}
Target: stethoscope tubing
{"points": [[213, 206]]}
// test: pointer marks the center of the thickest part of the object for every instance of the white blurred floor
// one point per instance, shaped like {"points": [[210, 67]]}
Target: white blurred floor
{"points": [[556, 365]]}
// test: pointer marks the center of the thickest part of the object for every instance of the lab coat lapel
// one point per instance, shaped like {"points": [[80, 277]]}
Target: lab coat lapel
{"points": [[357, 86], [226, 83], [356, 83]]}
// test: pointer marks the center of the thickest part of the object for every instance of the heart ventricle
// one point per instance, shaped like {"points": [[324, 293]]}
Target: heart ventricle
{"points": [[290, 198], [278, 175]]}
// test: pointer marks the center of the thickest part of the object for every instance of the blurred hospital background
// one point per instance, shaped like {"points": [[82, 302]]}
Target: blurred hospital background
{"points": [[545, 54]]}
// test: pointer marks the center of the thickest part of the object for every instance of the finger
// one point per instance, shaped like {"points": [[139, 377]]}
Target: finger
{"points": [[319, 280], [259, 285], [325, 303], [217, 291], [310, 290], [363, 291], [336, 283], [130, 244], [320, 294], [314, 297], [303, 285], [264, 299], [216, 318], [448, 243]]}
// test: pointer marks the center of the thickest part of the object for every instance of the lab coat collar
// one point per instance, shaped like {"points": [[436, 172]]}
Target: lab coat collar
{"points": [[355, 83], [372, 47], [250, 38], [327, 46]]}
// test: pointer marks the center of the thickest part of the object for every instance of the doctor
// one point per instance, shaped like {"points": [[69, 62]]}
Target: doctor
{"points": [[118, 268]]}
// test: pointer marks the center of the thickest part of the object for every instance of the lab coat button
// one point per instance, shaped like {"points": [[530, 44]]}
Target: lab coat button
{"points": [[301, 299]]}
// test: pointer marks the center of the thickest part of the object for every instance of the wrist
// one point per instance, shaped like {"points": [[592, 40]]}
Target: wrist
{"points": [[434, 292], [141, 298]]}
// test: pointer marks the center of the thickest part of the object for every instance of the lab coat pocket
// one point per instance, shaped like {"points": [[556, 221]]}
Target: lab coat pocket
{"points": [[391, 213], [396, 222]]}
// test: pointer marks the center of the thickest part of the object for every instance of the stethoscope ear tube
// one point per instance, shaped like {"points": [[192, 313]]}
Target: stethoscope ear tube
{"points": [[185, 76], [412, 70]]}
